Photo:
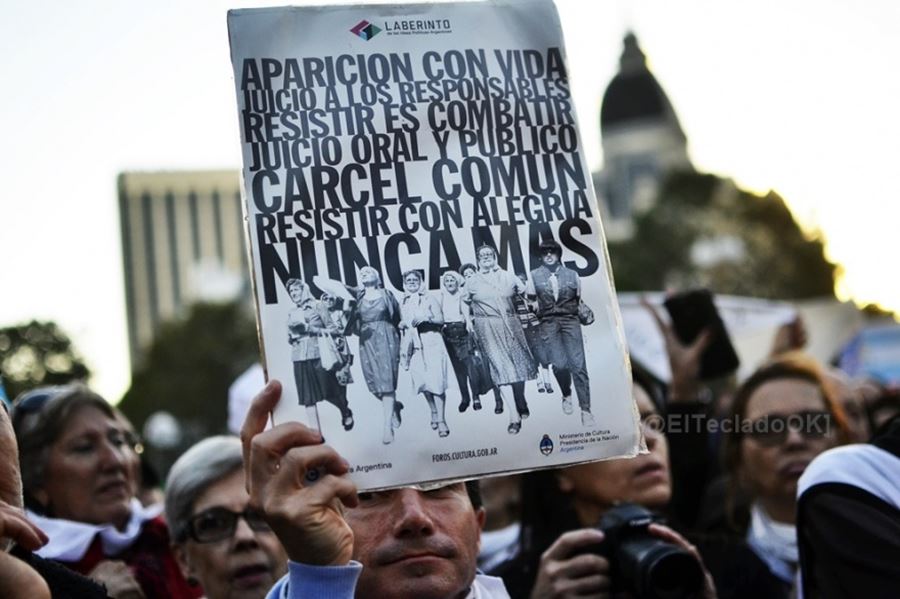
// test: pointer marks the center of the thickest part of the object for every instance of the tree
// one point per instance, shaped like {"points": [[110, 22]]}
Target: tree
{"points": [[189, 367], [704, 231], [36, 354]]}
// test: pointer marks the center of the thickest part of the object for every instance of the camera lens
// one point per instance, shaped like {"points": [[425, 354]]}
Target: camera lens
{"points": [[659, 570], [671, 574]]}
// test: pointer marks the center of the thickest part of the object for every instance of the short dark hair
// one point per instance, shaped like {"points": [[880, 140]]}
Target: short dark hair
{"points": [[485, 246], [551, 244], [473, 488]]}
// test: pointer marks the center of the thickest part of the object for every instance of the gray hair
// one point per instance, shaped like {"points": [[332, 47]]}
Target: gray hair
{"points": [[201, 466]]}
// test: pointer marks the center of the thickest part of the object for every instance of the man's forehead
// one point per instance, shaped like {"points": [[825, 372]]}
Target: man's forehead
{"points": [[436, 486]]}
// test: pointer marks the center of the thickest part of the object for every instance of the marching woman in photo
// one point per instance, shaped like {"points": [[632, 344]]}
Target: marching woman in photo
{"points": [[307, 323], [556, 290], [422, 350], [531, 324], [490, 292], [375, 321], [479, 370], [456, 337], [339, 373]]}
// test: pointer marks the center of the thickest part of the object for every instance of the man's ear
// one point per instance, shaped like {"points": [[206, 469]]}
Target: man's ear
{"points": [[564, 482], [480, 516]]}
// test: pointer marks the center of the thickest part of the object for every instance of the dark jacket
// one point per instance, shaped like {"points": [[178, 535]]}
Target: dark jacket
{"points": [[63, 582]]}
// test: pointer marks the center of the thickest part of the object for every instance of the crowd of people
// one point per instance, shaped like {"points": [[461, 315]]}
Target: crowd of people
{"points": [[794, 491]]}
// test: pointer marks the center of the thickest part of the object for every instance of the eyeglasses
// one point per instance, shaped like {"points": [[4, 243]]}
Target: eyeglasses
{"points": [[770, 431], [219, 523], [34, 401]]}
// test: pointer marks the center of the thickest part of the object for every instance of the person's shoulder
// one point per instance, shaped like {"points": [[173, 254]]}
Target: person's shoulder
{"points": [[860, 465], [62, 581], [736, 570]]}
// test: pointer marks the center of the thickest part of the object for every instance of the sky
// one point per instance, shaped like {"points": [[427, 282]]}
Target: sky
{"points": [[799, 97]]}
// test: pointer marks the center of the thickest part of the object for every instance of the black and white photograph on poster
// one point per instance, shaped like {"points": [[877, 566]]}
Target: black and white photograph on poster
{"points": [[429, 264]]}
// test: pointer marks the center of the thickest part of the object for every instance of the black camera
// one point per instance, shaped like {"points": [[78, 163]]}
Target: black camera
{"points": [[642, 564]]}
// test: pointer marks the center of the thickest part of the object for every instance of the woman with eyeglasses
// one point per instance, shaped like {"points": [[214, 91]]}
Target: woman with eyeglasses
{"points": [[78, 482], [220, 541], [783, 416]]}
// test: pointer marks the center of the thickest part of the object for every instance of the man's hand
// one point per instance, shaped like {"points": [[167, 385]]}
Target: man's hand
{"points": [[789, 337], [561, 575], [16, 527], [279, 465], [116, 576]]}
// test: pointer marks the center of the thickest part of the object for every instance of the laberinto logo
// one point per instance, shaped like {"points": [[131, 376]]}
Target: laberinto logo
{"points": [[365, 30]]}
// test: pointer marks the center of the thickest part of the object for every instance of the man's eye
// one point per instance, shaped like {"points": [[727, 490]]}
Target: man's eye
{"points": [[366, 496]]}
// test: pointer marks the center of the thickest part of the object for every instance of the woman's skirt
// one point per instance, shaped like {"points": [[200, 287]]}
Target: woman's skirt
{"points": [[503, 342], [312, 382]]}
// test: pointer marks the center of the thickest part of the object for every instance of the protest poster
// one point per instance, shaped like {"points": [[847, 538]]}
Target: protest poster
{"points": [[403, 166]]}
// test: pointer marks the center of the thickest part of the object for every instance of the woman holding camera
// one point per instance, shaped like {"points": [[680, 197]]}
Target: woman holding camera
{"points": [[561, 509]]}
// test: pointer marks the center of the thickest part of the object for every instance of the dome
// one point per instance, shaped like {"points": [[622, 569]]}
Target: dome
{"points": [[634, 94]]}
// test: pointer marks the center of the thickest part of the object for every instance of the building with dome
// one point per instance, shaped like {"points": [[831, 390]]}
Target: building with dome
{"points": [[642, 140]]}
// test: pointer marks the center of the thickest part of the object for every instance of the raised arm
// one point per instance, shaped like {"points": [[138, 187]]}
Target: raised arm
{"points": [[298, 483]]}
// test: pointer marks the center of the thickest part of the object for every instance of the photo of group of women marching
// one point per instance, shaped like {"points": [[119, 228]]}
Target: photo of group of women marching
{"points": [[494, 329]]}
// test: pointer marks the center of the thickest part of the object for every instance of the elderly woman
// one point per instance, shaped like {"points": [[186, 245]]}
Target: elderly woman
{"points": [[220, 541], [787, 417], [456, 337], [375, 320], [306, 322], [422, 348], [77, 476], [499, 332]]}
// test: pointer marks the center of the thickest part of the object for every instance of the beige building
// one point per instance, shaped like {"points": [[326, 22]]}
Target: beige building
{"points": [[182, 241]]}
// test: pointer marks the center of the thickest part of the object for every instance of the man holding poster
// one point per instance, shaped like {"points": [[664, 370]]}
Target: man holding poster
{"points": [[383, 139]]}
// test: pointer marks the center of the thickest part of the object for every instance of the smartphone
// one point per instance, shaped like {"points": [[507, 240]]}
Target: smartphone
{"points": [[693, 311]]}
